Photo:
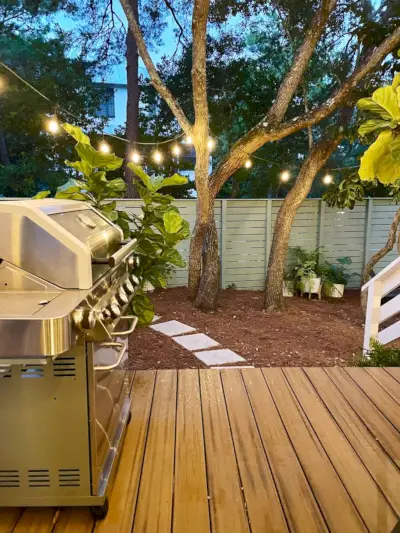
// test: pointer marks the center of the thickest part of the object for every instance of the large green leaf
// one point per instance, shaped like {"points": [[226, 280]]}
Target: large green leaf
{"points": [[386, 97], [174, 257], [176, 179], [41, 195], [396, 81], [117, 185], [172, 221], [143, 309], [98, 159], [140, 173], [367, 104], [80, 166], [370, 160], [63, 195], [395, 148], [76, 133], [146, 247], [375, 124]]}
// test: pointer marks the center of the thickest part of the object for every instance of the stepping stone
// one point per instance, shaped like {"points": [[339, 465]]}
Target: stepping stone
{"points": [[199, 341], [218, 357], [156, 318], [172, 327]]}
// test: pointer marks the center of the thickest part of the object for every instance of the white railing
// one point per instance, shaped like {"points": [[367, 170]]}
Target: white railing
{"points": [[379, 286]]}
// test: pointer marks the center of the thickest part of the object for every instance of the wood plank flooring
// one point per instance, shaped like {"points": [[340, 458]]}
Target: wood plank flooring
{"points": [[299, 450]]}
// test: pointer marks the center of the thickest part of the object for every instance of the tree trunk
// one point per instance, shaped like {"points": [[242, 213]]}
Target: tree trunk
{"points": [[317, 158], [380, 254], [4, 158], [132, 105]]}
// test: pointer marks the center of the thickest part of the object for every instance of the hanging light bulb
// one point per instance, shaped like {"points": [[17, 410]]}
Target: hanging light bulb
{"points": [[52, 125], [176, 150], [211, 144], [3, 84], [104, 147], [285, 176], [327, 179], [135, 157], [248, 163], [157, 156], [188, 140]]}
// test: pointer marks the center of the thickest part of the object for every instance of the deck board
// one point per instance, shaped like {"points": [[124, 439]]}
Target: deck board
{"points": [[250, 451]]}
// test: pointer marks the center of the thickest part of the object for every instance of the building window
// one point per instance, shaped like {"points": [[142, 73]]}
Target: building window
{"points": [[107, 107]]}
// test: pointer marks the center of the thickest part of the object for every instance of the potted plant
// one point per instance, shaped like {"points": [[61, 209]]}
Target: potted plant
{"points": [[306, 270], [336, 276], [288, 285]]}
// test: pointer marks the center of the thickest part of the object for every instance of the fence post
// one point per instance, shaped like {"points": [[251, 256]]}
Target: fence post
{"points": [[268, 231], [368, 224], [321, 223], [223, 243]]}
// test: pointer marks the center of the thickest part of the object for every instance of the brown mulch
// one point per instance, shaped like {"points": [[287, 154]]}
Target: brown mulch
{"points": [[307, 333]]}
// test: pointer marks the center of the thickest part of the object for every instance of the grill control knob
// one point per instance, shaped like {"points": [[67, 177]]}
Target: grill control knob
{"points": [[114, 310], [84, 318], [135, 279], [128, 287], [121, 297], [105, 314], [133, 261]]}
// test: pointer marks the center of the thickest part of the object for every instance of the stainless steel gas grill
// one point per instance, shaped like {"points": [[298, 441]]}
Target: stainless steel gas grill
{"points": [[65, 283]]}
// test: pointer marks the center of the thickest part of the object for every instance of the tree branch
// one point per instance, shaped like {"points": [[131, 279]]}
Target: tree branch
{"points": [[199, 74], [156, 81], [264, 132], [181, 32]]}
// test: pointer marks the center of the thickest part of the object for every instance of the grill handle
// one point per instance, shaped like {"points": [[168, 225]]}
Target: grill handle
{"points": [[126, 250], [121, 354], [126, 332]]}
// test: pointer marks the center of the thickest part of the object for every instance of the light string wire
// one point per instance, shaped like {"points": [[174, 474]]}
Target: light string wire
{"points": [[176, 137]]}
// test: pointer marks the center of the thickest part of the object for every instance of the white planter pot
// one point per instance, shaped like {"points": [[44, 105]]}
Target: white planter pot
{"points": [[336, 290], [312, 286], [288, 288]]}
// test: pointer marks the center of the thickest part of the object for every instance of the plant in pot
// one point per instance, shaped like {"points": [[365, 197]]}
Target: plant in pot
{"points": [[288, 285], [336, 276], [306, 271]]}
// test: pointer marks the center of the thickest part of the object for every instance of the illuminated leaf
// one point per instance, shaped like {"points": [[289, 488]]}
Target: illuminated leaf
{"points": [[367, 104], [386, 97], [370, 160], [176, 179], [80, 166], [41, 195], [98, 159], [172, 221], [76, 133], [373, 125]]}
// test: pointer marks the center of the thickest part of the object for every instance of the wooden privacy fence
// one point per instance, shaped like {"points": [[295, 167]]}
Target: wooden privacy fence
{"points": [[245, 229]]}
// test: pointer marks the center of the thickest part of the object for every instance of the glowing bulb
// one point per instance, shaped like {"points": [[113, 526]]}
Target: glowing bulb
{"points": [[248, 164], [135, 157], [176, 150], [52, 125], [157, 156], [285, 176], [104, 147], [188, 140], [211, 144], [327, 179], [3, 83]]}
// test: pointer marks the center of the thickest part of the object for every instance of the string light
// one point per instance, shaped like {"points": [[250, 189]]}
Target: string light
{"points": [[3, 83], [211, 144], [285, 176], [188, 140], [135, 157], [327, 179], [52, 125], [157, 156], [104, 147], [176, 150], [248, 164]]}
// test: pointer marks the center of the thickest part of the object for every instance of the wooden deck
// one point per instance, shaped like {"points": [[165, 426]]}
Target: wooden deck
{"points": [[250, 451]]}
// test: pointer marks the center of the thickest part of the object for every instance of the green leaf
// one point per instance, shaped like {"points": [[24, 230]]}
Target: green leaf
{"points": [[140, 173], [395, 148], [370, 160], [146, 247], [144, 194], [80, 166], [172, 221], [174, 257], [367, 104], [176, 179], [62, 195], [76, 133], [118, 185], [386, 97], [99, 176], [97, 159], [41, 195], [143, 309], [396, 81], [375, 124]]}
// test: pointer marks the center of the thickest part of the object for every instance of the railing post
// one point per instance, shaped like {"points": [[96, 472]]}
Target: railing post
{"points": [[368, 224], [223, 243], [373, 314], [268, 232]]}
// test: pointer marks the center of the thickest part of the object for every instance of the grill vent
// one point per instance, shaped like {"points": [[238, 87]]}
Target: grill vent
{"points": [[9, 478], [6, 373], [69, 477], [32, 371], [38, 478], [64, 367]]}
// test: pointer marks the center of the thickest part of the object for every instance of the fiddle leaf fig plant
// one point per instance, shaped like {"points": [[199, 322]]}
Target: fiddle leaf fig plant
{"points": [[382, 159], [158, 228]]}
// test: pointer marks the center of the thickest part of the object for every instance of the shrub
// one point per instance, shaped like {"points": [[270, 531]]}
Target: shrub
{"points": [[379, 355]]}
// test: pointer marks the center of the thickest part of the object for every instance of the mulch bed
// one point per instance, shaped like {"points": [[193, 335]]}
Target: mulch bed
{"points": [[308, 333]]}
